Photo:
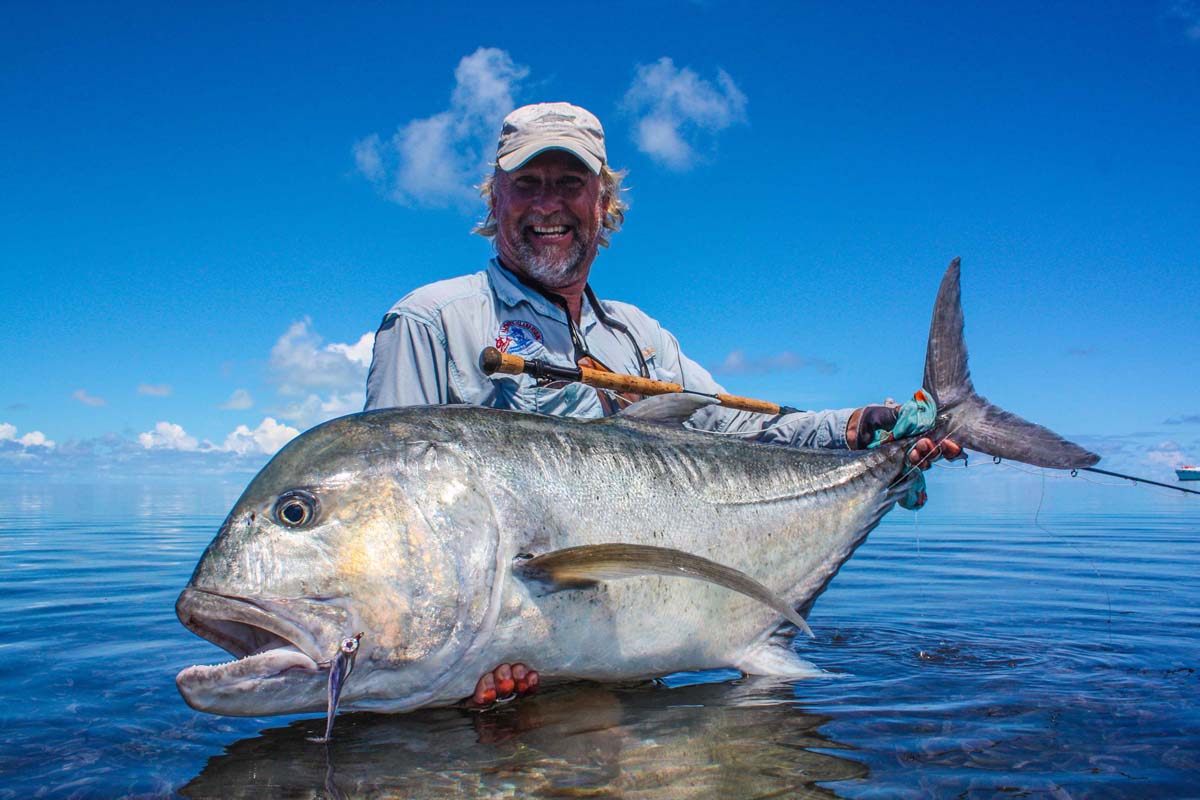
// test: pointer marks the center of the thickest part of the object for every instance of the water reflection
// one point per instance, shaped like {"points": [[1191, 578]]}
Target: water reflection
{"points": [[730, 740]]}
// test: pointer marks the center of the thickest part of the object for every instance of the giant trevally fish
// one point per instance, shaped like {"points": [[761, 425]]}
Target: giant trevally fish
{"points": [[458, 538]]}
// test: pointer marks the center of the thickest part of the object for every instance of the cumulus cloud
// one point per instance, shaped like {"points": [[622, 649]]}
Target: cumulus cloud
{"points": [[323, 380], [240, 400], [301, 362], [1167, 454], [358, 353], [168, 436], [1185, 419], [87, 399], [266, 439], [115, 455], [676, 110], [154, 390], [8, 433], [368, 158], [736, 363], [1186, 13], [315, 409], [435, 161]]}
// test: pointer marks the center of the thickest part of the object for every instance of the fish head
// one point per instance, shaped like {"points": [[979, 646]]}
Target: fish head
{"points": [[370, 523]]}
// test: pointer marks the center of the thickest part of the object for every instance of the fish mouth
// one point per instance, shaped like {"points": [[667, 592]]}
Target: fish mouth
{"points": [[279, 664]]}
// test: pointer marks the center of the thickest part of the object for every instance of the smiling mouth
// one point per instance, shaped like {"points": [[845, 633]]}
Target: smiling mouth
{"points": [[548, 231], [263, 643]]}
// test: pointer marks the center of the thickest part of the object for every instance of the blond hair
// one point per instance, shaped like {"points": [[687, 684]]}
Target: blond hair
{"points": [[610, 190]]}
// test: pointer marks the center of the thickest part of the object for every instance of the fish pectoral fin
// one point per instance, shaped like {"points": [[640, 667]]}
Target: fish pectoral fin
{"points": [[582, 567], [666, 409]]}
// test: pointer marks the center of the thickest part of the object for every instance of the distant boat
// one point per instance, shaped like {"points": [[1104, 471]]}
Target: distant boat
{"points": [[1188, 472]]}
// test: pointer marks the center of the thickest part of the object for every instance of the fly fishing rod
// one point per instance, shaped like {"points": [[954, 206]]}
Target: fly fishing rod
{"points": [[492, 361], [1136, 480]]}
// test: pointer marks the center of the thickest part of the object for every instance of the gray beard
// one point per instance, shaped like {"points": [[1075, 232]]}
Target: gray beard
{"points": [[549, 270]]}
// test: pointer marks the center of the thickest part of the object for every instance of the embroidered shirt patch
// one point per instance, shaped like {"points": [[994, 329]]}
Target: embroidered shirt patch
{"points": [[518, 337]]}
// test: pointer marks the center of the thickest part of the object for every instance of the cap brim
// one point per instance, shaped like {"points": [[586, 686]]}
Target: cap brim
{"points": [[524, 154]]}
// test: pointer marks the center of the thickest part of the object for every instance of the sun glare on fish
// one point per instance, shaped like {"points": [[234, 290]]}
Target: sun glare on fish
{"points": [[451, 492]]}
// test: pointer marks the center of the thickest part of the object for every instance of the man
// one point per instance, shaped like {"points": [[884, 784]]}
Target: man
{"points": [[553, 201]]}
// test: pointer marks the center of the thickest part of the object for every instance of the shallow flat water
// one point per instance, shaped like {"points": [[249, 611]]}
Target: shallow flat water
{"points": [[1014, 639]]}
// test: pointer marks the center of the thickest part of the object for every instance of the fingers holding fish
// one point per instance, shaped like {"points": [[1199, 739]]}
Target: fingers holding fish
{"points": [[505, 682], [925, 452], [527, 680]]}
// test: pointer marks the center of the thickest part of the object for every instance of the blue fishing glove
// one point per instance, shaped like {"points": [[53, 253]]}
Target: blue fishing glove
{"points": [[915, 417]]}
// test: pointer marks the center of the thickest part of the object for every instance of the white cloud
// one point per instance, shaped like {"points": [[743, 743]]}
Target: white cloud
{"points": [[87, 399], [8, 433], [736, 363], [240, 400], [1186, 13], [168, 436], [266, 439], [301, 363], [154, 390], [328, 380], [1166, 454], [35, 439], [368, 158], [436, 160], [314, 410], [676, 108], [359, 352]]}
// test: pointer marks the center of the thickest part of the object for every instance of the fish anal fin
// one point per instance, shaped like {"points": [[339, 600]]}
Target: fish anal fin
{"points": [[580, 567]]}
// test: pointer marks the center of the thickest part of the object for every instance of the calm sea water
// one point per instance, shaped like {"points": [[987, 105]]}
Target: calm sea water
{"points": [[1018, 638]]}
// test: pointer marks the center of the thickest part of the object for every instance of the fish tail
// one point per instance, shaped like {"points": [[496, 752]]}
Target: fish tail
{"points": [[970, 419]]}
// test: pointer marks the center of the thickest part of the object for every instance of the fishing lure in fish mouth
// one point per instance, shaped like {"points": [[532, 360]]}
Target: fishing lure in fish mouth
{"points": [[339, 670]]}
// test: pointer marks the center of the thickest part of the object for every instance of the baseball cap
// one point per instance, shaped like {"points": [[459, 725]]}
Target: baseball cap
{"points": [[534, 129]]}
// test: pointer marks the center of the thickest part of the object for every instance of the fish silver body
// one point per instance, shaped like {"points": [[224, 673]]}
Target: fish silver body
{"points": [[411, 524], [424, 511]]}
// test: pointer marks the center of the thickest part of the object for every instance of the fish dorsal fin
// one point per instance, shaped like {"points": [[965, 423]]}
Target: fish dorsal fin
{"points": [[581, 567], [667, 409]]}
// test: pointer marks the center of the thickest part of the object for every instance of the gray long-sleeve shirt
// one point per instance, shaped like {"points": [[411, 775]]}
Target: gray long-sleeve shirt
{"points": [[427, 352]]}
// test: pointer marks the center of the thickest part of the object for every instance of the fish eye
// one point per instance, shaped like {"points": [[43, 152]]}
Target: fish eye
{"points": [[295, 508]]}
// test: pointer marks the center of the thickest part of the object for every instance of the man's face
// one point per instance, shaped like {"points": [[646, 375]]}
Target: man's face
{"points": [[548, 218]]}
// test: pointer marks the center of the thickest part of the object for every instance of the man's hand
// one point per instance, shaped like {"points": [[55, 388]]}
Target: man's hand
{"points": [[925, 452], [864, 422]]}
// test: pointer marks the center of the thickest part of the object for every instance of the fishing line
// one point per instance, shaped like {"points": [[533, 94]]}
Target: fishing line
{"points": [[1038, 523], [1073, 475], [1044, 474]]}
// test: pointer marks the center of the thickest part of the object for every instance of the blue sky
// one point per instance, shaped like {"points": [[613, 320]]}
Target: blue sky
{"points": [[206, 210]]}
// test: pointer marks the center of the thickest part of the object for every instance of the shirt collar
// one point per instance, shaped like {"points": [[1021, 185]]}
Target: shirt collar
{"points": [[512, 292]]}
